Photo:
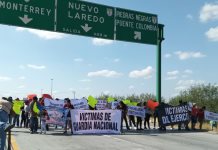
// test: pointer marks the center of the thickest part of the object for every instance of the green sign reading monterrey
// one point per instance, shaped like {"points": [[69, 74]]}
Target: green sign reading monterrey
{"points": [[136, 26], [37, 14], [83, 18]]}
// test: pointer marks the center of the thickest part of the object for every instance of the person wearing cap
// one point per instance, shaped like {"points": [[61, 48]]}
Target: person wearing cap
{"points": [[5, 108]]}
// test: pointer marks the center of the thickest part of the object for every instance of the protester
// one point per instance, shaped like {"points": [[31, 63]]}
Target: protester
{"points": [[23, 117], [194, 113], [139, 120], [213, 124], [67, 107], [148, 113], [132, 122], [200, 116], [17, 104], [155, 115], [5, 108], [27, 114], [34, 112], [123, 109], [44, 117]]}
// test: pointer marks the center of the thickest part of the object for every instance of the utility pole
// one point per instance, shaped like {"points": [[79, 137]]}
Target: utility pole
{"points": [[160, 37], [51, 87], [74, 94]]}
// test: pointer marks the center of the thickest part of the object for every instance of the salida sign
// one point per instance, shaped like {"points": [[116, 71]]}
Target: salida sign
{"points": [[82, 18]]}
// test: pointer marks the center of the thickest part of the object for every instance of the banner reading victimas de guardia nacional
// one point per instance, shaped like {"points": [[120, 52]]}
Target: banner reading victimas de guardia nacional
{"points": [[96, 121], [170, 115]]}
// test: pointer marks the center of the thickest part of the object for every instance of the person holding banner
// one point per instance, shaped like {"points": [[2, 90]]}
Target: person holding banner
{"points": [[124, 110], [67, 114], [200, 116], [194, 113], [139, 120], [148, 113]]}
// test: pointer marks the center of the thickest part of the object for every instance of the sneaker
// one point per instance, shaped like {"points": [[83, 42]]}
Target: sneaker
{"points": [[65, 132], [8, 127]]}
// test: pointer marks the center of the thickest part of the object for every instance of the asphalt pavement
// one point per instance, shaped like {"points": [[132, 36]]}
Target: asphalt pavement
{"points": [[129, 140]]}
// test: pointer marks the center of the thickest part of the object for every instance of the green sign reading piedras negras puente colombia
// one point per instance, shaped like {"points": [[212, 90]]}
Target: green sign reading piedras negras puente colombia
{"points": [[82, 18]]}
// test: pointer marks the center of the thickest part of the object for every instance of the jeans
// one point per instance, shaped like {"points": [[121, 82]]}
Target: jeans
{"points": [[16, 119], [33, 124], [3, 121]]}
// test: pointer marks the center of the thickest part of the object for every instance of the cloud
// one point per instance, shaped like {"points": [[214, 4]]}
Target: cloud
{"points": [[78, 60], [22, 78], [180, 88], [131, 87], [187, 55], [212, 34], [185, 84], [46, 35], [189, 16], [188, 71], [209, 12], [4, 78], [190, 82], [171, 78], [104, 73], [146, 73], [101, 42], [36, 67], [167, 55], [116, 60], [85, 80], [173, 73]]}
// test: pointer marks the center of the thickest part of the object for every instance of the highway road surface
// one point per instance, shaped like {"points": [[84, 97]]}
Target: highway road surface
{"points": [[131, 140]]}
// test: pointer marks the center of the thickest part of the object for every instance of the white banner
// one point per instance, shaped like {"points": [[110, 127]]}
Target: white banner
{"points": [[136, 111], [114, 104], [53, 103], [101, 105], [80, 104], [211, 116], [55, 111], [96, 121]]}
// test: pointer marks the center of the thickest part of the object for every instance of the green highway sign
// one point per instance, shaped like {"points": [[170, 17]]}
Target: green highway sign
{"points": [[37, 14], [133, 26], [83, 18]]}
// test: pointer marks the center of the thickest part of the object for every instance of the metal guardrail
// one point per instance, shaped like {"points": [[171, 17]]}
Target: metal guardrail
{"points": [[8, 145]]}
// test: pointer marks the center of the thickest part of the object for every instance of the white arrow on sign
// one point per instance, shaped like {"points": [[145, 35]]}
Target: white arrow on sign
{"points": [[25, 19], [138, 35], [86, 28], [26, 1]]}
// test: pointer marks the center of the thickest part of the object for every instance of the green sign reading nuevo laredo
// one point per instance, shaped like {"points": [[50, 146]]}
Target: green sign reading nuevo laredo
{"points": [[136, 26], [37, 14], [83, 18]]}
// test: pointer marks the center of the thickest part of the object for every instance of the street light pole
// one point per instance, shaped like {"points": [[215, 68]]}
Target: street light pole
{"points": [[41, 91], [51, 87], [74, 93]]}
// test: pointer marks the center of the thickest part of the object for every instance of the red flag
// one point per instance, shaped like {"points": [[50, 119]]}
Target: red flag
{"points": [[152, 105]]}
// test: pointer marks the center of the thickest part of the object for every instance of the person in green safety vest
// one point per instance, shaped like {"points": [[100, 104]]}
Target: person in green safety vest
{"points": [[34, 113], [17, 104]]}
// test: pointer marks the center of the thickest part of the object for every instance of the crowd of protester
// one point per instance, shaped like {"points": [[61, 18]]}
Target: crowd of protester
{"points": [[31, 113]]}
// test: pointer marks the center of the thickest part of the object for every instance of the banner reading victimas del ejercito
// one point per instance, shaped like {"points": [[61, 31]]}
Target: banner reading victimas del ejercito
{"points": [[96, 121], [170, 115]]}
